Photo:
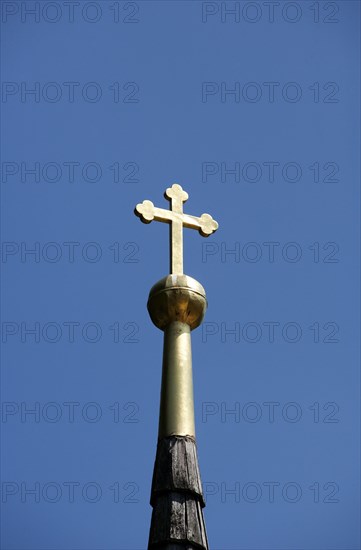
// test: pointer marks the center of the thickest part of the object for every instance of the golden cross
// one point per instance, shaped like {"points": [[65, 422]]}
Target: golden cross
{"points": [[205, 224]]}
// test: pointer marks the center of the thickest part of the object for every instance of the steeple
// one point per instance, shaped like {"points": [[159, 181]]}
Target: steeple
{"points": [[176, 305]]}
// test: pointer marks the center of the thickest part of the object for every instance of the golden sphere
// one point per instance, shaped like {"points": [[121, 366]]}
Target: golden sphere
{"points": [[177, 298]]}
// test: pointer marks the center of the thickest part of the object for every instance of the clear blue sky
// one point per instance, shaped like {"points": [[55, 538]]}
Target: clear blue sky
{"points": [[128, 98]]}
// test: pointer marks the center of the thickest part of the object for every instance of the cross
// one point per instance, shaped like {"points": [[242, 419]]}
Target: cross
{"points": [[205, 224]]}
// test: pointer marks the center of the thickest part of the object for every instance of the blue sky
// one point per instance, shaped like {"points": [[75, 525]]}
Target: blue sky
{"points": [[253, 107]]}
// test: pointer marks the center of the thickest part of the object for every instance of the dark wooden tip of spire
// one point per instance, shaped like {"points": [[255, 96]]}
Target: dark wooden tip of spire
{"points": [[177, 497]]}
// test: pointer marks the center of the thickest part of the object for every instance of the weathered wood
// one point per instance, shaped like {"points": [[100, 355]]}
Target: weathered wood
{"points": [[177, 497], [176, 467]]}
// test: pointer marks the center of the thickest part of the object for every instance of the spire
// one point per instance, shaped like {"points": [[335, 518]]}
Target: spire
{"points": [[176, 305]]}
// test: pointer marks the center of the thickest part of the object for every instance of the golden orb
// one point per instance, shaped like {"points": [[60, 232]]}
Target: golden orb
{"points": [[177, 298]]}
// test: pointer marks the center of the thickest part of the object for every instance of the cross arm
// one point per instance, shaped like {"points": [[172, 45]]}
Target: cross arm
{"points": [[205, 224], [147, 212]]}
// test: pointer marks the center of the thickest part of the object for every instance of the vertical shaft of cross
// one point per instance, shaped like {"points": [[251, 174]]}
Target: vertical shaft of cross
{"points": [[176, 231], [176, 247]]}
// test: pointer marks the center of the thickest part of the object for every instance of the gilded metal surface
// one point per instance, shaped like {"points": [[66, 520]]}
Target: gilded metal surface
{"points": [[177, 298], [205, 224], [176, 305], [176, 403]]}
